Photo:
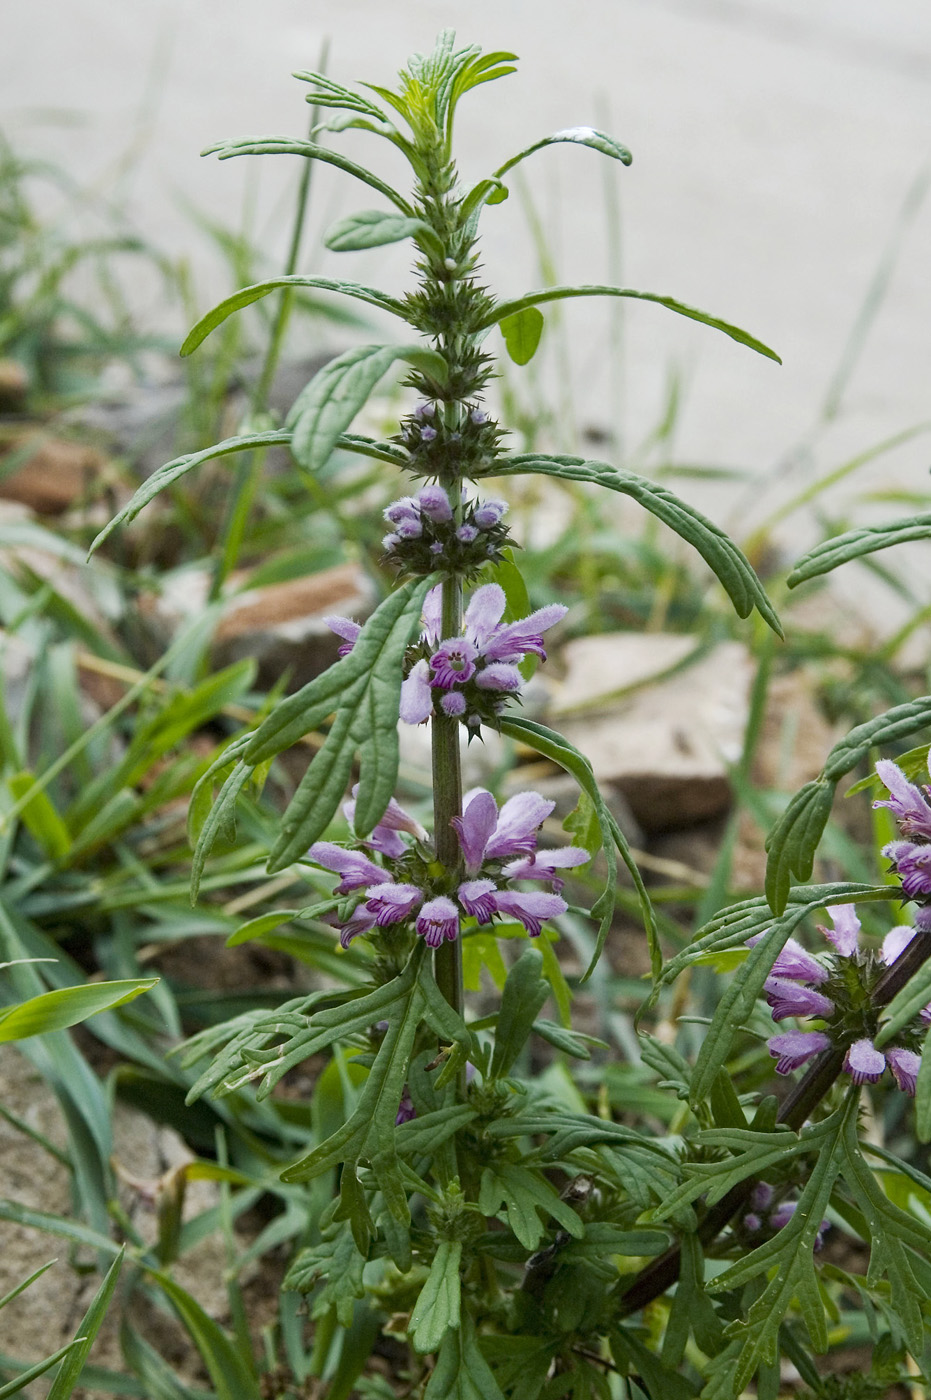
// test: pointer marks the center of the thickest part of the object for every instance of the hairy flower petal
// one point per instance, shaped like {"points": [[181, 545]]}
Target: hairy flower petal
{"points": [[475, 827], [531, 908], [895, 942], [913, 867], [906, 801], [905, 1065], [347, 629], [793, 1048], [863, 1062], [845, 935], [391, 903], [438, 920], [518, 822], [484, 612], [477, 898], [416, 695], [516, 639], [356, 869], [790, 999]]}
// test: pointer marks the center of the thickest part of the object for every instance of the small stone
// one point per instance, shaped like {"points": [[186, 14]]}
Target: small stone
{"points": [[56, 475], [657, 728]]}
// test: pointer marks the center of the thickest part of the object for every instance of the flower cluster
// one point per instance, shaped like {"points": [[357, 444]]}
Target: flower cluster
{"points": [[499, 850], [427, 534], [466, 443], [765, 1218], [839, 996], [912, 856], [474, 675], [470, 677]]}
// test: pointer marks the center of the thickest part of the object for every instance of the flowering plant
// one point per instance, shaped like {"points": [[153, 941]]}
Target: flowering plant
{"points": [[511, 1237]]}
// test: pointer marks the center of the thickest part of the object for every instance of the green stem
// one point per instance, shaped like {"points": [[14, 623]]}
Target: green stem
{"points": [[447, 802]]}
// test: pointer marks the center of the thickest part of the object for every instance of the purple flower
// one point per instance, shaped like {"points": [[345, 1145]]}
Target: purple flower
{"points": [[356, 870], [794, 1048], [404, 511], [453, 663], [489, 513], [434, 504], [477, 898], [347, 629], [845, 935], [438, 920], [905, 1065], [478, 417], [790, 999], [513, 641], [795, 962], [406, 1109], [761, 1197], [425, 410], [466, 534], [453, 703], [895, 942], [427, 434], [486, 834], [360, 921], [752, 1223], [530, 909], [906, 801], [543, 865], [390, 903], [863, 1062], [913, 866], [417, 695], [784, 1212], [385, 837], [501, 677]]}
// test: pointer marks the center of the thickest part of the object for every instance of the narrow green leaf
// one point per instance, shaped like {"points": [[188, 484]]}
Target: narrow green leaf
{"points": [[437, 1307], [373, 228], [522, 334], [868, 539], [366, 721], [326, 407], [220, 818], [67, 1006], [17, 1385], [40, 817], [231, 1373], [87, 1330], [265, 923], [180, 466], [71, 1230], [580, 136], [510, 308], [288, 146], [716, 548], [553, 746], [247, 295], [524, 993]]}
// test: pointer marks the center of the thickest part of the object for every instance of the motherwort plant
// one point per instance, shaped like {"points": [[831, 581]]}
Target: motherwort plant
{"points": [[506, 1235]]}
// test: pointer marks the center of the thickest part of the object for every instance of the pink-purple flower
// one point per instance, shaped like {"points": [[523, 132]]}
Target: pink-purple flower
{"points": [[481, 664], [800, 985]]}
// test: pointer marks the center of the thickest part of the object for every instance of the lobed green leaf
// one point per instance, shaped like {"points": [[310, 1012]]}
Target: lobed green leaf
{"points": [[373, 228]]}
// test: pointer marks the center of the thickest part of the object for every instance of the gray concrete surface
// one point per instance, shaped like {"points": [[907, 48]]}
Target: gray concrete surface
{"points": [[774, 143]]}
